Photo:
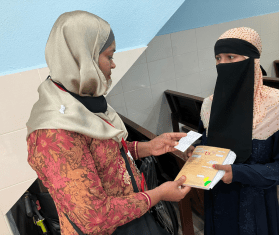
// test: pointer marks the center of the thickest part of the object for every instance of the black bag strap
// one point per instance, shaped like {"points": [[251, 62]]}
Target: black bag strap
{"points": [[74, 226], [133, 183], [129, 170]]}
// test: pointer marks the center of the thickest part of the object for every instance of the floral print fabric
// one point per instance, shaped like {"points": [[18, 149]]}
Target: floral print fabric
{"points": [[87, 180]]}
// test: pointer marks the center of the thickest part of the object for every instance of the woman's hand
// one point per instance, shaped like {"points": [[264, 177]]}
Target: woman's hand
{"points": [[171, 190], [165, 143], [227, 178]]}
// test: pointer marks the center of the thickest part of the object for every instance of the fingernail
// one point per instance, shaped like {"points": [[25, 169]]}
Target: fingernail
{"points": [[213, 166], [176, 143]]}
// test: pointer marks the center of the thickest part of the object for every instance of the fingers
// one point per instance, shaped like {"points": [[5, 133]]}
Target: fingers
{"points": [[221, 167], [181, 180], [169, 142], [177, 134], [172, 149], [185, 189]]}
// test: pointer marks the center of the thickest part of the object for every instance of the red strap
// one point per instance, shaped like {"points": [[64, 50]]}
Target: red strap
{"points": [[59, 87], [122, 141], [124, 145], [142, 182]]}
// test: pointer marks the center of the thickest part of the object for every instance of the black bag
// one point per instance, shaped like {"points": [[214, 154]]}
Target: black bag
{"points": [[31, 220], [163, 212], [145, 225]]}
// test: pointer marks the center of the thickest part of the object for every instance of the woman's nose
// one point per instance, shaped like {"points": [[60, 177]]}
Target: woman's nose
{"points": [[113, 65]]}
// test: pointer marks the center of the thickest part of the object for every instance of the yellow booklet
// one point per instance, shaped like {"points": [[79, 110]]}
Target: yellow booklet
{"points": [[198, 168]]}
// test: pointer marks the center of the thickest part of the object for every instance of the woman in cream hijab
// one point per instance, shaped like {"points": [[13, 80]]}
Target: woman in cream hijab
{"points": [[74, 136]]}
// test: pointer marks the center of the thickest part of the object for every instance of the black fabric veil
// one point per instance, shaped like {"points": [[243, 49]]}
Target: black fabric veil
{"points": [[93, 104], [231, 117]]}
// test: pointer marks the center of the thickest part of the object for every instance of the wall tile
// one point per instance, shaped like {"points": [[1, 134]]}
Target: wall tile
{"points": [[206, 59], [162, 113], [9, 196], [122, 110], [253, 23], [207, 36], [208, 79], [136, 78], [141, 59], [269, 23], [189, 84], [267, 62], [43, 73], [13, 159], [229, 25], [270, 42], [138, 99], [117, 89], [161, 70], [124, 61], [139, 116], [19, 91], [207, 93], [159, 48], [186, 64], [158, 89], [183, 42], [116, 101]]}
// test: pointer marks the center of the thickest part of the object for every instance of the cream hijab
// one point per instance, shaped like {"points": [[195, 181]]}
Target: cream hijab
{"points": [[72, 54], [266, 99]]}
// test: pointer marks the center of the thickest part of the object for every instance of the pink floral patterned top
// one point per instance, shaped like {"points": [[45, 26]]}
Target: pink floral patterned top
{"points": [[87, 179]]}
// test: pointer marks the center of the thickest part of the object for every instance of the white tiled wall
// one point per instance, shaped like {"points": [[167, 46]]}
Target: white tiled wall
{"points": [[184, 62]]}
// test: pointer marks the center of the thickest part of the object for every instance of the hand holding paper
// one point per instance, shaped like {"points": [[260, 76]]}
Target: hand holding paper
{"points": [[186, 142]]}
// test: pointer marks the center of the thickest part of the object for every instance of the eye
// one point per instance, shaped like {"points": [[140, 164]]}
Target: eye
{"points": [[110, 58], [218, 58], [231, 57]]}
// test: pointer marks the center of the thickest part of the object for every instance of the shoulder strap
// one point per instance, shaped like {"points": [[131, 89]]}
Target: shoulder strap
{"points": [[74, 226], [129, 170]]}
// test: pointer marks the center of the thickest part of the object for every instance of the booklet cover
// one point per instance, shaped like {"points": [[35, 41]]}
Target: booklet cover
{"points": [[198, 168]]}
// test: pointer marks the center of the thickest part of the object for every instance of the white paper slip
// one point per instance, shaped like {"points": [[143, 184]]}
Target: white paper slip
{"points": [[187, 141]]}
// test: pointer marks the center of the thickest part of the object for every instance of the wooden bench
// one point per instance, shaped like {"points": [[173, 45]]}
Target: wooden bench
{"points": [[185, 109], [271, 82]]}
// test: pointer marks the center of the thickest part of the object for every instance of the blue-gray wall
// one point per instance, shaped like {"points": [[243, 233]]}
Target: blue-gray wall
{"points": [[25, 26], [199, 13]]}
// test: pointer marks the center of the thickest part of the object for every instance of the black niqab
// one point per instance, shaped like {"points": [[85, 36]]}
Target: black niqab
{"points": [[231, 117]]}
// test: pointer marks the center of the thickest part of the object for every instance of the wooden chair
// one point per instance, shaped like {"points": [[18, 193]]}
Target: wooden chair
{"points": [[185, 109], [271, 82]]}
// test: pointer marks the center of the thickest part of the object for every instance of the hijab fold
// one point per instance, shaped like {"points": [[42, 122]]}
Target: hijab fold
{"points": [[72, 54]]}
